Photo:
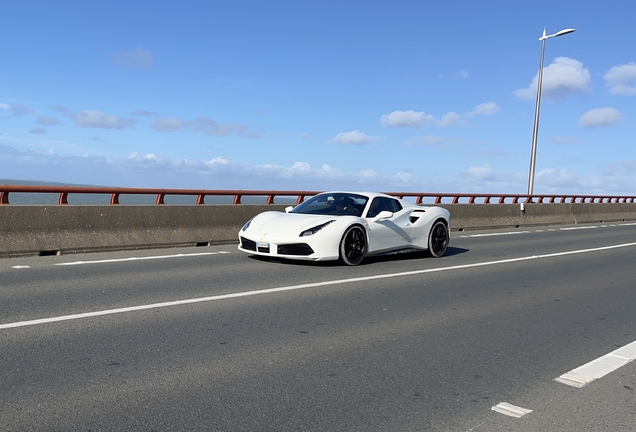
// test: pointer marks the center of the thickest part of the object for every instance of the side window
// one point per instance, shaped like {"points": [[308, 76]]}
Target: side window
{"points": [[380, 204], [374, 208], [394, 206]]}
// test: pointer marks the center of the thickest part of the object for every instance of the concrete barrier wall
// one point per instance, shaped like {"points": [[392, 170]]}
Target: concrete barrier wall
{"points": [[31, 230], [27, 230], [480, 216]]}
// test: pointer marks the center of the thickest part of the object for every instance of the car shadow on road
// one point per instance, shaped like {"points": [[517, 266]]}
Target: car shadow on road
{"points": [[411, 255], [393, 256]]}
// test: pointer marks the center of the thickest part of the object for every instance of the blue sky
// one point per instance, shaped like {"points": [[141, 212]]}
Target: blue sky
{"points": [[366, 95]]}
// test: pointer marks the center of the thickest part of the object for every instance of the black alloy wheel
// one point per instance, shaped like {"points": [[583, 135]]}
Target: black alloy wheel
{"points": [[353, 246], [438, 239]]}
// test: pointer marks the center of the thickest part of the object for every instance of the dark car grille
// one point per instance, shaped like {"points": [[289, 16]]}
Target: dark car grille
{"points": [[248, 244], [302, 249]]}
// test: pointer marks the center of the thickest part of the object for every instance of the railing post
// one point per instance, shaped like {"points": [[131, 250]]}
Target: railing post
{"points": [[160, 199], [200, 199], [300, 199], [114, 199], [63, 198], [4, 198], [270, 199], [237, 199]]}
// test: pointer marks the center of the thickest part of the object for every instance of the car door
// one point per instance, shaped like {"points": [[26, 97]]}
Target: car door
{"points": [[392, 233]]}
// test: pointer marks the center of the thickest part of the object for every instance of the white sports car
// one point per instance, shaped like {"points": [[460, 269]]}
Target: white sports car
{"points": [[347, 226]]}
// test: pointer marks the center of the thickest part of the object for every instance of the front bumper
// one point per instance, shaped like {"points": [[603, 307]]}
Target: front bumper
{"points": [[286, 248]]}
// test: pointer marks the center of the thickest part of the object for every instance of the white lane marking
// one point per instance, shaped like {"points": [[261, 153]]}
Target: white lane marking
{"points": [[498, 234], [578, 228], [600, 367], [511, 410], [301, 286], [540, 230], [138, 258], [20, 267]]}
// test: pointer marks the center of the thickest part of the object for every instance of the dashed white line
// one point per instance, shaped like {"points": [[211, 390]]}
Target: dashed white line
{"points": [[600, 367], [301, 286], [20, 266], [511, 410], [140, 258]]}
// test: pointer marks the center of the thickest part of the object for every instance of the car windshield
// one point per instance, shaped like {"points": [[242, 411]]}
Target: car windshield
{"points": [[334, 204]]}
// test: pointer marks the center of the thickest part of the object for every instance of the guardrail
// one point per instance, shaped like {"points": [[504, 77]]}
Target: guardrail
{"points": [[437, 198]]}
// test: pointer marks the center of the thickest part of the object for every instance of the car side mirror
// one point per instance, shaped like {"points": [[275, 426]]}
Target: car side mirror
{"points": [[289, 209], [383, 215]]}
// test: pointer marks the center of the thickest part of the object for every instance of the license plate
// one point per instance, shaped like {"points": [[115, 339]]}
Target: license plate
{"points": [[262, 244]]}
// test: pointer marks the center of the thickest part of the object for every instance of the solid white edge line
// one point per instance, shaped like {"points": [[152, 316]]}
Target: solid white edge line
{"points": [[578, 228], [511, 410], [498, 234], [298, 287], [599, 367], [138, 258]]}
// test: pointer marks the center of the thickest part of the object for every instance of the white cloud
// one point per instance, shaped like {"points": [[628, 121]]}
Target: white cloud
{"points": [[452, 118], [98, 119], [152, 170], [353, 138], [18, 110], [407, 119], [488, 108], [564, 76], [621, 80], [420, 119], [304, 136], [217, 161], [208, 126], [137, 59], [600, 117], [212, 128], [37, 131], [480, 173]]}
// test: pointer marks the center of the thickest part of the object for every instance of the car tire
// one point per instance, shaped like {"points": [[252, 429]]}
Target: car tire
{"points": [[353, 246], [438, 239]]}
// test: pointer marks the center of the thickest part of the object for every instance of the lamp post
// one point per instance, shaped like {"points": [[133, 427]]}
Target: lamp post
{"points": [[533, 158]]}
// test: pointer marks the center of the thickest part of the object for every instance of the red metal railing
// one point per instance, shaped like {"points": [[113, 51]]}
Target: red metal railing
{"points": [[438, 198]]}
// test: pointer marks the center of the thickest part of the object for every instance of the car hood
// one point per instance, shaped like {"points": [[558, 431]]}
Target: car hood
{"points": [[275, 222]]}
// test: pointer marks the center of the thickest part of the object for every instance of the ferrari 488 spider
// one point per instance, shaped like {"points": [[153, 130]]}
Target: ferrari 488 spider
{"points": [[347, 226]]}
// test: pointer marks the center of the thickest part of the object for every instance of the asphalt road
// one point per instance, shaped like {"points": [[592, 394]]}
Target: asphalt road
{"points": [[211, 339]]}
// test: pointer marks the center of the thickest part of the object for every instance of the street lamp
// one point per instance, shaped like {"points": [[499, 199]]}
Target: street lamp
{"points": [[533, 158]]}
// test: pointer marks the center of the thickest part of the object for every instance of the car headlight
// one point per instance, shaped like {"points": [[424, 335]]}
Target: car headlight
{"points": [[314, 230], [247, 224]]}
